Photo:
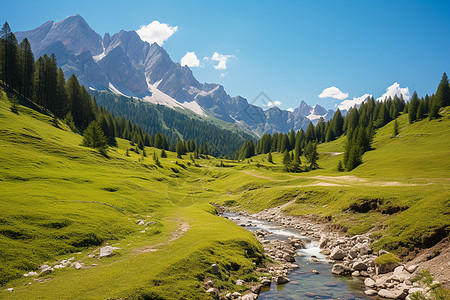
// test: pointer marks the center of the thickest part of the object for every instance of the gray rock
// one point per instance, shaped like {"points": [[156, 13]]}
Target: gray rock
{"points": [[381, 283], [240, 282], [355, 274], [78, 266], [359, 266], [353, 253], [106, 251], [250, 296], [10, 290], [266, 282], [392, 294], [281, 280], [340, 269], [315, 272], [46, 269], [386, 268], [323, 242], [369, 282], [411, 268], [213, 292], [209, 284], [215, 269], [256, 289], [370, 292], [365, 249], [235, 295], [289, 258], [31, 273], [337, 254]]}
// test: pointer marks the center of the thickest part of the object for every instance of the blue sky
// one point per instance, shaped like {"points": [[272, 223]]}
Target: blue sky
{"points": [[291, 50]]}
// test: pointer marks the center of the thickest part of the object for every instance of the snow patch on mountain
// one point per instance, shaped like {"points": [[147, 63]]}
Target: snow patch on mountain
{"points": [[113, 89], [159, 97], [195, 108]]}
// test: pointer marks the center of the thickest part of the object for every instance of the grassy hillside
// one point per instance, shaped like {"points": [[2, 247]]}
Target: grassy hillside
{"points": [[60, 199]]}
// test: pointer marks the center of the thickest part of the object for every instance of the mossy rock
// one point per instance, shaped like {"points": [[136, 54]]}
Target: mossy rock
{"points": [[386, 263]]}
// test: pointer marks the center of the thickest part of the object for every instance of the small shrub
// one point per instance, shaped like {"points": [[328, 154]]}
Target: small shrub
{"points": [[387, 258]]}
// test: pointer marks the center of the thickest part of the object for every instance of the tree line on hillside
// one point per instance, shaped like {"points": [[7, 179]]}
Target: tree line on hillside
{"points": [[153, 118], [42, 83], [358, 126]]}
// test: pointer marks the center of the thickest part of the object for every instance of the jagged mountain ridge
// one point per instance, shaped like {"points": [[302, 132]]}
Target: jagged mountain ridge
{"points": [[124, 64]]}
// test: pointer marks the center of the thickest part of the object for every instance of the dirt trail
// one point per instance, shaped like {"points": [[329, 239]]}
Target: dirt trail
{"points": [[265, 177], [345, 180], [182, 228]]}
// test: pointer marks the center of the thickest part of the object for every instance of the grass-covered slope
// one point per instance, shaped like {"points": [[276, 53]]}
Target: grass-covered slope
{"points": [[400, 193], [59, 199]]}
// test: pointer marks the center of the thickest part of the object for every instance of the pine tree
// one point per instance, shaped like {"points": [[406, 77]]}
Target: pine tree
{"points": [[9, 53], [311, 155], [434, 110], [442, 96], [340, 167], [413, 106], [310, 133], [396, 131], [337, 124], [26, 59], [286, 158], [269, 158], [62, 105], [94, 137], [421, 110], [163, 154]]}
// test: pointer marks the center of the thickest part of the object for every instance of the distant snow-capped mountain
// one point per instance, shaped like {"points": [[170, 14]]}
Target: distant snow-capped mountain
{"points": [[124, 64]]}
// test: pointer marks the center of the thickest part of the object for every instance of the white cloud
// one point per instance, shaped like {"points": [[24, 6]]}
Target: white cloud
{"points": [[221, 58], [223, 74], [333, 92], [190, 60], [272, 103], [156, 32], [346, 104], [290, 109], [395, 89]]}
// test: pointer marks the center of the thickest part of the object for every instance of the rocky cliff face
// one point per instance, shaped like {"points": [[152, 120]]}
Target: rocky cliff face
{"points": [[123, 63]]}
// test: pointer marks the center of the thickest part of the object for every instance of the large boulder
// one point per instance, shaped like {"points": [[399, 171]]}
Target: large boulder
{"points": [[386, 263], [365, 249], [339, 269], [337, 254], [392, 294], [369, 282], [359, 266], [281, 280], [323, 242], [106, 251]]}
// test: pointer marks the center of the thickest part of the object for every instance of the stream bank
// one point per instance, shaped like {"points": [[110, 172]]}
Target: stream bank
{"points": [[317, 262]]}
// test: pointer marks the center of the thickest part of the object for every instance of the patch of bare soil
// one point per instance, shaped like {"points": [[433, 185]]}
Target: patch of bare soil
{"points": [[145, 249], [436, 260], [182, 228]]}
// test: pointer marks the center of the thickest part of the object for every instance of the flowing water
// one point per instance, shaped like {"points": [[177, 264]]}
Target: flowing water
{"points": [[304, 284]]}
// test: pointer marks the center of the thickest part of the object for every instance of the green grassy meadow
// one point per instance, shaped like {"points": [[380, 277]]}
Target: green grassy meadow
{"points": [[60, 199]]}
